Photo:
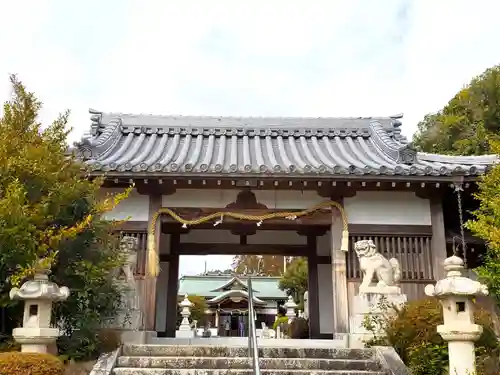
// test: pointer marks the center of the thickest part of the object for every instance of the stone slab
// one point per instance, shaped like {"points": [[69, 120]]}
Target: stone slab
{"points": [[243, 342], [192, 371], [246, 363], [390, 361], [184, 333], [137, 337], [105, 363], [242, 351]]}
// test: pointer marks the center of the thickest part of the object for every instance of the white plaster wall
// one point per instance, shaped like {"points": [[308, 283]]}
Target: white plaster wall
{"points": [[325, 294], [134, 208], [261, 237], [161, 298], [384, 207], [213, 198]]}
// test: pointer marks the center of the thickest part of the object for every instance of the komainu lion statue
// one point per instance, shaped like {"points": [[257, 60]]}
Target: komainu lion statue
{"points": [[372, 263], [128, 248]]}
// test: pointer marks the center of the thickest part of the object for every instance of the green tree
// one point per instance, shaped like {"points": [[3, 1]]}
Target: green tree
{"points": [[295, 280], [268, 265], [486, 225], [50, 212], [468, 122], [199, 308]]}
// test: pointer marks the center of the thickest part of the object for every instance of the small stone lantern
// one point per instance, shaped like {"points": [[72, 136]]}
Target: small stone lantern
{"points": [[290, 308], [185, 330], [456, 293], [38, 294]]}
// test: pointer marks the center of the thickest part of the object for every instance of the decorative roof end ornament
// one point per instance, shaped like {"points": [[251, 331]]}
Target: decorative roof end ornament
{"points": [[95, 121], [407, 154]]}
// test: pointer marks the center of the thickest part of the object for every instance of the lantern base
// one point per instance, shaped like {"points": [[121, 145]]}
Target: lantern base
{"points": [[35, 340], [460, 332]]}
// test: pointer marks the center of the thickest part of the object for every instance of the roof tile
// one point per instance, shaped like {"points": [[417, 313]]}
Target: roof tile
{"points": [[255, 146]]}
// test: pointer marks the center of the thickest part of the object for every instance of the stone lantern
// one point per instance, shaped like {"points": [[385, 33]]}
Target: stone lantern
{"points": [[456, 293], [185, 330], [290, 308], [38, 294]]}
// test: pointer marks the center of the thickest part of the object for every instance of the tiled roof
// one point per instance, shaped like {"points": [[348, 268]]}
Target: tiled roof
{"points": [[207, 286], [190, 145], [230, 293]]}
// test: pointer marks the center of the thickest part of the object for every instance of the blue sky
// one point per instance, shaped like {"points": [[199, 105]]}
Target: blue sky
{"points": [[244, 58]]}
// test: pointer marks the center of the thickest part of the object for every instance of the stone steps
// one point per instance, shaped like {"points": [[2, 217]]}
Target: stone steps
{"points": [[236, 351], [233, 360], [242, 363], [192, 371]]}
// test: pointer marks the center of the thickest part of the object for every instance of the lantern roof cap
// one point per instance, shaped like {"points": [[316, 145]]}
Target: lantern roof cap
{"points": [[455, 283]]}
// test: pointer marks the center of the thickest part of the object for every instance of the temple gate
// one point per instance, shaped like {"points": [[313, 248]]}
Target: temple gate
{"points": [[288, 186]]}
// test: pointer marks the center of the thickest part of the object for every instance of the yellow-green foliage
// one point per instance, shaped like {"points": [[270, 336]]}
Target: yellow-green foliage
{"points": [[486, 225], [15, 363], [280, 320]]}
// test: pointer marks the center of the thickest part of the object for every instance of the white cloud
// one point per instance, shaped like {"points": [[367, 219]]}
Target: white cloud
{"points": [[255, 57]]}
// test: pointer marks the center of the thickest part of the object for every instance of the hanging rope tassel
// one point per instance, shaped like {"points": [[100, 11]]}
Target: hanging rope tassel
{"points": [[344, 246], [153, 258]]}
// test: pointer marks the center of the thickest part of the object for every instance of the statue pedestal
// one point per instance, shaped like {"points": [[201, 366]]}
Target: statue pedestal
{"points": [[373, 303], [184, 333], [129, 316]]}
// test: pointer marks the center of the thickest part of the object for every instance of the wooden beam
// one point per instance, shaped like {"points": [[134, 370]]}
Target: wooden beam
{"points": [[133, 226], [438, 244], [233, 249], [323, 259], [389, 230], [313, 288], [172, 288]]}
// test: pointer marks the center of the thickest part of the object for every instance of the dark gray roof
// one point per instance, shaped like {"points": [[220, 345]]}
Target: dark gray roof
{"points": [[195, 145]]}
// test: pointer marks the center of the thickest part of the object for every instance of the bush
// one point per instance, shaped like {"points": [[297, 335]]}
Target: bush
{"points": [[298, 329], [412, 331], [84, 344], [436, 358], [16, 363], [109, 340], [9, 345]]}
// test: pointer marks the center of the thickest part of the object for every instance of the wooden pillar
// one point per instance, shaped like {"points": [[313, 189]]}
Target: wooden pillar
{"points": [[173, 286], [313, 287], [438, 243], [149, 310], [339, 278]]}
